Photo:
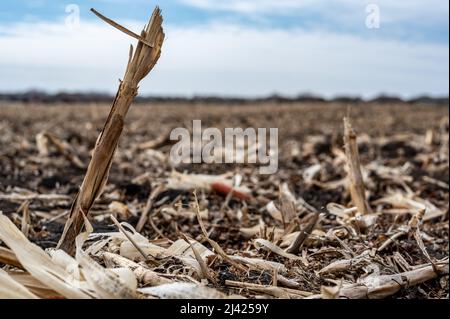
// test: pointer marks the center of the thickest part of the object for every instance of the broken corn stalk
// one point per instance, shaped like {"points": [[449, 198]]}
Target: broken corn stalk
{"points": [[140, 63]]}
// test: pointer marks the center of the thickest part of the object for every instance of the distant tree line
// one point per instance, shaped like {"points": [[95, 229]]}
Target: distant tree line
{"points": [[71, 98]]}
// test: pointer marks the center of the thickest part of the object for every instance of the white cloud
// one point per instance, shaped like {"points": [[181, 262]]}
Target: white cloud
{"points": [[247, 6], [222, 59], [401, 16], [399, 7]]}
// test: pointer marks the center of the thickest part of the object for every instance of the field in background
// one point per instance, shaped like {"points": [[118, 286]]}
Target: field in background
{"points": [[403, 147]]}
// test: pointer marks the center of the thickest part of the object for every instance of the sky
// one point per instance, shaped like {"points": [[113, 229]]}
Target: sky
{"points": [[243, 48]]}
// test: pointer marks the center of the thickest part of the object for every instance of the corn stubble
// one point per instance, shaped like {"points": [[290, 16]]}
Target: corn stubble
{"points": [[140, 63]]}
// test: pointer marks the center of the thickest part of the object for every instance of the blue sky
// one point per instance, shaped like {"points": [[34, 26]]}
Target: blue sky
{"points": [[231, 47]]}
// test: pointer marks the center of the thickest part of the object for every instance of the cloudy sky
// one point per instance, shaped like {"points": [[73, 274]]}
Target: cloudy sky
{"points": [[232, 47]]}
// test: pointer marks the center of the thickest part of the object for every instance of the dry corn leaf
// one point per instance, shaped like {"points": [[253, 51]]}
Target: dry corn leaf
{"points": [[39, 264], [11, 289], [35, 286]]}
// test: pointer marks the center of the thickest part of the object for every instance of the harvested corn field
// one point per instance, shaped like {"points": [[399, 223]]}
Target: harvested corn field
{"points": [[353, 211]]}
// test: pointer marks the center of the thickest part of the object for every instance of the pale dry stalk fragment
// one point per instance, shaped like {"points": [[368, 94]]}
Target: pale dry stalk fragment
{"points": [[64, 149], [215, 245], [183, 290], [287, 205], [279, 292], [148, 206], [355, 179], [156, 143], [145, 276], [304, 234], [43, 197], [413, 225], [201, 262], [376, 287], [132, 241], [26, 220], [140, 63]]}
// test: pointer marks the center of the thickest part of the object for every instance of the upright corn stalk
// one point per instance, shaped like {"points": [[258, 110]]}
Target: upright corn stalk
{"points": [[355, 179], [140, 63]]}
